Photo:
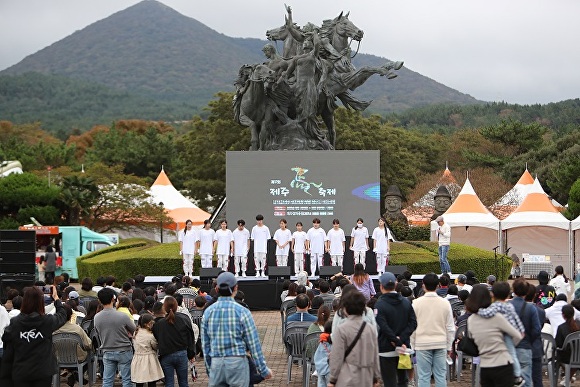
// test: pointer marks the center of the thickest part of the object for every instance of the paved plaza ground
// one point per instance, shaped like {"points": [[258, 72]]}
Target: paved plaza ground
{"points": [[269, 329]]}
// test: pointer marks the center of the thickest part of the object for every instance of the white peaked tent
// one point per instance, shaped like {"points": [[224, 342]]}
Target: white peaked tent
{"points": [[514, 197], [470, 221], [178, 207], [537, 227]]}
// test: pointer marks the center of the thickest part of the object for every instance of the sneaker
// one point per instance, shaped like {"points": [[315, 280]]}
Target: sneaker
{"points": [[519, 381], [257, 274], [411, 383], [236, 275], [563, 381], [244, 274]]}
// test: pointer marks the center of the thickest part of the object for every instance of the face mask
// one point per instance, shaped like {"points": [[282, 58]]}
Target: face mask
{"points": [[359, 225]]}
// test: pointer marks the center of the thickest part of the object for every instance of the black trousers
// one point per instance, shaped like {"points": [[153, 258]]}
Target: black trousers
{"points": [[44, 382], [502, 376], [392, 376]]}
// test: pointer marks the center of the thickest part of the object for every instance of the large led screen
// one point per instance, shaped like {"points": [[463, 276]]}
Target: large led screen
{"points": [[303, 185]]}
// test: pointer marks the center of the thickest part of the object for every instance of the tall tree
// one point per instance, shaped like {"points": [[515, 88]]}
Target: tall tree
{"points": [[79, 194]]}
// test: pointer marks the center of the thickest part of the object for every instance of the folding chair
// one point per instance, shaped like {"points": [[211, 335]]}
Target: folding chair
{"points": [[310, 340], [65, 349], [572, 340], [549, 357], [294, 339]]}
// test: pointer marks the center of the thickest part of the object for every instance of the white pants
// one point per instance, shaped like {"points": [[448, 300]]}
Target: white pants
{"points": [[223, 261], [336, 260], [360, 257], [282, 260], [188, 264], [206, 260], [382, 262], [241, 260], [315, 258], [298, 262], [260, 261]]}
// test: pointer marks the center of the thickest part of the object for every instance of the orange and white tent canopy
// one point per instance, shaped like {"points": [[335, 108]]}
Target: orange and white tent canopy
{"points": [[178, 207], [468, 210], [536, 210]]}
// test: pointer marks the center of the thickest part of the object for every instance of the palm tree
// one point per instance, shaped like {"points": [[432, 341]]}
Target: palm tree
{"points": [[79, 194]]}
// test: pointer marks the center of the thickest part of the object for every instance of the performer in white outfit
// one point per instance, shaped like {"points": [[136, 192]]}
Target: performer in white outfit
{"points": [[205, 244], [187, 242], [241, 247], [315, 238], [359, 242], [282, 236], [382, 245], [260, 235], [335, 244], [223, 245], [298, 248]]}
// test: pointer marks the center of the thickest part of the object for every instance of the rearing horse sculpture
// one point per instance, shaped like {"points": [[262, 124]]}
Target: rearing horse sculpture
{"points": [[251, 105]]}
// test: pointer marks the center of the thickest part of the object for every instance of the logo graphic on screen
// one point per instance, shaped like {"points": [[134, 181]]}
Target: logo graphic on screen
{"points": [[370, 192], [299, 182]]}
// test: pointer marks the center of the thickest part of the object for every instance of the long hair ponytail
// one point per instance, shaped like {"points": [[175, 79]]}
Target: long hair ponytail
{"points": [[170, 308]]}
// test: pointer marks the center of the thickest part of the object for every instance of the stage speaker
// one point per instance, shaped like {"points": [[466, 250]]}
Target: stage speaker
{"points": [[209, 272], [279, 272], [14, 281], [328, 271], [397, 269], [17, 251]]}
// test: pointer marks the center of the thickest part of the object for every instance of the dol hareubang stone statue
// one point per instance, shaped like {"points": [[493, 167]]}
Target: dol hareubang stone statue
{"points": [[442, 201], [393, 204], [284, 100]]}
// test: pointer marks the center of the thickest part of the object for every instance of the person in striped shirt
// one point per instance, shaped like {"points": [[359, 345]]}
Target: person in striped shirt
{"points": [[228, 329]]}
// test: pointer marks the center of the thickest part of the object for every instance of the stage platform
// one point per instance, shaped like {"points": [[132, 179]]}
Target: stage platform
{"points": [[263, 293]]}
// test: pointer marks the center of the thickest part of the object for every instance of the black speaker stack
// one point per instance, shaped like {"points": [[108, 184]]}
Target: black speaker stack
{"points": [[17, 260]]}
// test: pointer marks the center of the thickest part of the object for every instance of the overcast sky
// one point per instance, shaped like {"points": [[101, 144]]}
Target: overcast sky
{"points": [[519, 51]]}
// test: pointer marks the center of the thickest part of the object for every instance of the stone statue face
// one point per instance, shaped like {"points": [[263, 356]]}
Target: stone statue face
{"points": [[308, 46], [393, 203], [442, 203]]}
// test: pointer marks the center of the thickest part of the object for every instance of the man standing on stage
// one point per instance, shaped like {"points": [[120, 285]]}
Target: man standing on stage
{"points": [[315, 238], [260, 235], [228, 331], [444, 239]]}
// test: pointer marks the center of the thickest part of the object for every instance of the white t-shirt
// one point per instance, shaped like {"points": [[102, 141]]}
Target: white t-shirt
{"points": [[382, 240], [188, 238], [282, 237], [223, 238], [336, 237], [260, 236], [299, 241], [241, 238], [206, 241], [316, 236], [360, 234]]}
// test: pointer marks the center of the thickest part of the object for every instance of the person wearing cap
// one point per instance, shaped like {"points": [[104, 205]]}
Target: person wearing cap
{"points": [[545, 294], [396, 321], [490, 281], [444, 238], [433, 338], [228, 331]]}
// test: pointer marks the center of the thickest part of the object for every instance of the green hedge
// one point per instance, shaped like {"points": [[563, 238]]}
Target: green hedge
{"points": [[141, 256], [423, 257]]}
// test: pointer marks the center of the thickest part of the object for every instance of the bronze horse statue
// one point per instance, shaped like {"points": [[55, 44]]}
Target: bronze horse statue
{"points": [[252, 106]]}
